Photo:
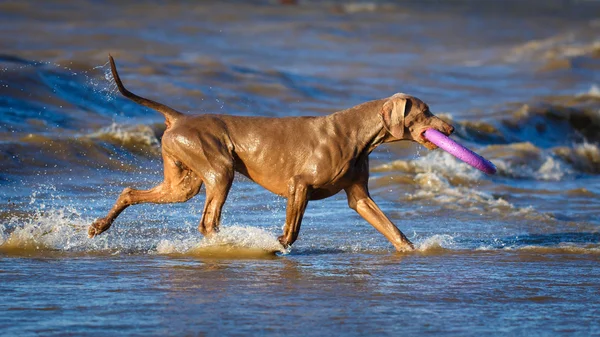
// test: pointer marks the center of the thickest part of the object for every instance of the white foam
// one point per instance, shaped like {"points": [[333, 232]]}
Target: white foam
{"points": [[176, 245], [593, 92], [234, 237], [435, 187], [56, 229], [443, 241], [357, 7], [526, 161], [562, 248], [435, 174], [137, 134], [552, 170], [441, 161], [65, 230], [589, 152]]}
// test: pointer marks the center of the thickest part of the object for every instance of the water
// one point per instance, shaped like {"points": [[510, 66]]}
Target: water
{"points": [[516, 253]]}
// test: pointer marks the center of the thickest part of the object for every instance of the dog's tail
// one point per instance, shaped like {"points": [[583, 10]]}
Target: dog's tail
{"points": [[170, 114]]}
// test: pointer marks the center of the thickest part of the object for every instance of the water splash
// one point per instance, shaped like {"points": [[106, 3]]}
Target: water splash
{"points": [[64, 230], [106, 85], [436, 243], [55, 229], [234, 241]]}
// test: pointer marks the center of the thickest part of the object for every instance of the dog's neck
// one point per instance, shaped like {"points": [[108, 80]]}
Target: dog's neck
{"points": [[364, 129]]}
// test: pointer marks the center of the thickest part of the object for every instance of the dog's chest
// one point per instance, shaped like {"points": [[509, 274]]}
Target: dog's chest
{"points": [[348, 174]]}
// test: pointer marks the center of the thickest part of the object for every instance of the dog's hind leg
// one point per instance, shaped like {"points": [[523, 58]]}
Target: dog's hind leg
{"points": [[180, 184]]}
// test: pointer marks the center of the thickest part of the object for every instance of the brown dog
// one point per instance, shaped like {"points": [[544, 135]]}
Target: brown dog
{"points": [[300, 158]]}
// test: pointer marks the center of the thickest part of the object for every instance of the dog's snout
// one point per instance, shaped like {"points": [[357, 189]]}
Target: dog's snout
{"points": [[450, 130]]}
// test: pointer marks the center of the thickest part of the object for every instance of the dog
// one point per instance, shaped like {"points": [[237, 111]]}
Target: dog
{"points": [[299, 158]]}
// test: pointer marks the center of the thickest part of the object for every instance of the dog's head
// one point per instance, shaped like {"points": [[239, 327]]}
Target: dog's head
{"points": [[406, 118]]}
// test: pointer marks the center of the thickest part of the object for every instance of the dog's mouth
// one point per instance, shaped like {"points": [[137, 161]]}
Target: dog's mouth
{"points": [[425, 142], [428, 144]]}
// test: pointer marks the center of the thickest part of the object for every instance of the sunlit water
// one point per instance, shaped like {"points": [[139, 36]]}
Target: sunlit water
{"points": [[516, 253]]}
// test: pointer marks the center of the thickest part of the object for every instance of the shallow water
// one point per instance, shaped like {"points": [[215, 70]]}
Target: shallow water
{"points": [[514, 253]]}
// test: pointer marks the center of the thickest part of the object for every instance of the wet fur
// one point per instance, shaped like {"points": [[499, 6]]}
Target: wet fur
{"points": [[299, 158]]}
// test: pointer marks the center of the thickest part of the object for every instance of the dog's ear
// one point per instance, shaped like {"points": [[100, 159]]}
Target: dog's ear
{"points": [[392, 115]]}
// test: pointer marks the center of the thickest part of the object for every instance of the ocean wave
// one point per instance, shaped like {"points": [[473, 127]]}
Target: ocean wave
{"points": [[141, 138], [434, 161], [578, 48], [555, 123], [526, 161], [519, 161], [116, 147], [440, 178], [583, 157], [544, 243], [548, 122], [593, 92], [433, 187], [550, 141], [48, 97], [480, 132], [440, 161], [564, 248], [560, 248]]}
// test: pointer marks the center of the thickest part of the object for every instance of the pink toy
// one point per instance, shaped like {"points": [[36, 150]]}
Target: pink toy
{"points": [[460, 151]]}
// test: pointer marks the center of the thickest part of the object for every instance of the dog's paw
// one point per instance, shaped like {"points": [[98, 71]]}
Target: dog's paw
{"points": [[405, 246], [92, 232], [284, 243], [97, 228]]}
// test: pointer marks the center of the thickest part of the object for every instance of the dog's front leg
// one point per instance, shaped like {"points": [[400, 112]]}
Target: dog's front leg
{"points": [[298, 195], [360, 201]]}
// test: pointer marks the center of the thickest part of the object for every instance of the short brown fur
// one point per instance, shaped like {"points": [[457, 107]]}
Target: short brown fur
{"points": [[299, 158]]}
